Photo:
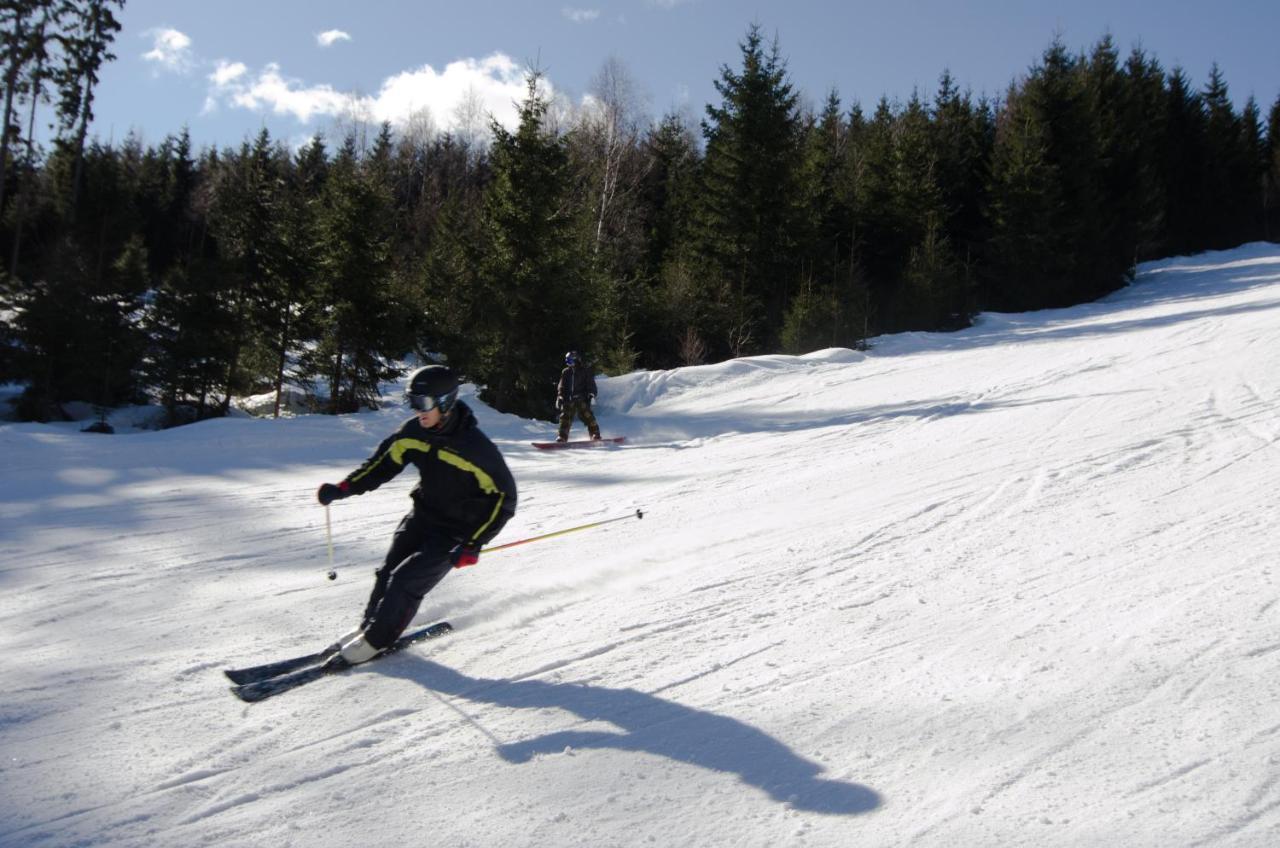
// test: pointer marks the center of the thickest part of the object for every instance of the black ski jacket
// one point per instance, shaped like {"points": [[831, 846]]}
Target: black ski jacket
{"points": [[465, 487], [577, 381]]}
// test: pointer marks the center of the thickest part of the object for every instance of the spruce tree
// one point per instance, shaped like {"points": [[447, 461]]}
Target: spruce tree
{"points": [[246, 220], [667, 190], [749, 199], [192, 322], [933, 291], [825, 311], [1229, 171], [1184, 166], [1046, 200], [882, 241], [33, 29], [829, 227], [666, 204], [455, 313], [361, 310], [86, 51], [963, 134], [607, 167], [76, 321], [1116, 115], [1142, 118], [19, 48], [532, 278], [1252, 174], [1271, 185]]}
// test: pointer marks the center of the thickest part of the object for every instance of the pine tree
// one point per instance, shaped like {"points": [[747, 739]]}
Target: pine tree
{"points": [[607, 169], [86, 51], [749, 198], [532, 279], [362, 314], [191, 325], [1143, 118], [829, 227], [932, 292], [1271, 191], [1116, 118], [882, 242], [1229, 172], [246, 221], [1184, 162], [1046, 199], [1252, 173], [455, 312], [189, 330], [668, 187], [32, 29], [18, 49], [293, 314], [825, 311], [963, 137], [666, 203], [76, 319]]}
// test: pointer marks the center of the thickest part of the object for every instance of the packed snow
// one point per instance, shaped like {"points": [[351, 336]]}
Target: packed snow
{"points": [[1015, 585]]}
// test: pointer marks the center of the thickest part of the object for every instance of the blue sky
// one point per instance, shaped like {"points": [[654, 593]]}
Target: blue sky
{"points": [[226, 68]]}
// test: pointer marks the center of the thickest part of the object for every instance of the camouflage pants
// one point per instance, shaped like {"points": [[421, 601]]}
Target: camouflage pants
{"points": [[582, 408]]}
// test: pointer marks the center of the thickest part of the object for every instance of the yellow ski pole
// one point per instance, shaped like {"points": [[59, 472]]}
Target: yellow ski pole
{"points": [[639, 513]]}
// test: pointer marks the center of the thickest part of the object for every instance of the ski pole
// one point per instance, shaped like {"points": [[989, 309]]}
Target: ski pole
{"points": [[639, 513], [328, 539]]}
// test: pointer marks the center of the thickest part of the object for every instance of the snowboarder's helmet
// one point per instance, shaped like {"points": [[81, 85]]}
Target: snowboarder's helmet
{"points": [[571, 358], [432, 387]]}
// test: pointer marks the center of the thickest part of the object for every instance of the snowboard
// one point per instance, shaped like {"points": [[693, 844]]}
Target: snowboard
{"points": [[581, 443]]}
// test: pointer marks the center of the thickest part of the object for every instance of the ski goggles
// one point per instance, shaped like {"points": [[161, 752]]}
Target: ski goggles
{"points": [[426, 403]]}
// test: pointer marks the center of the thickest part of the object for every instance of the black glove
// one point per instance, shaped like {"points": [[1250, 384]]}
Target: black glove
{"points": [[464, 555], [328, 493], [559, 402]]}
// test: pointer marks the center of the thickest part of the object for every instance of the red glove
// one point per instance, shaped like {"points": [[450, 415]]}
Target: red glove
{"points": [[464, 555]]}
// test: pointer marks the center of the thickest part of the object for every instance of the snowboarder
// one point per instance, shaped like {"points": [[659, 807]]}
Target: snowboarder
{"points": [[574, 394], [463, 498]]}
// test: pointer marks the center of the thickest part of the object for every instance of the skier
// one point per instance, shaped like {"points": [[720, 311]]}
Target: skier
{"points": [[574, 394], [464, 495]]}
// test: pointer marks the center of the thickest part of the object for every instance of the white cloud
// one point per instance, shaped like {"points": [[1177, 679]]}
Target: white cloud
{"points": [[494, 84], [580, 16], [271, 91], [170, 49], [329, 37], [226, 72]]}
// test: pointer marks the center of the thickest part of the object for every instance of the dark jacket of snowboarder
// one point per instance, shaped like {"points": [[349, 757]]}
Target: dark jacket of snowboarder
{"points": [[574, 395], [577, 381]]}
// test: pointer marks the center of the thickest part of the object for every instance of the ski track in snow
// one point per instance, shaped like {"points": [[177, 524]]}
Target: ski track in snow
{"points": [[1013, 585]]}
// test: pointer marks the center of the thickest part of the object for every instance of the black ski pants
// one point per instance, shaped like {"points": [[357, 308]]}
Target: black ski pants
{"points": [[417, 560]]}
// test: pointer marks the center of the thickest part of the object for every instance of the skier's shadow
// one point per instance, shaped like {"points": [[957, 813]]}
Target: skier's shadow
{"points": [[651, 725]]}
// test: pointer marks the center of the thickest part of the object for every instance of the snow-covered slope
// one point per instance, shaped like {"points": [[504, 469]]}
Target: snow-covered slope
{"points": [[1015, 585]]}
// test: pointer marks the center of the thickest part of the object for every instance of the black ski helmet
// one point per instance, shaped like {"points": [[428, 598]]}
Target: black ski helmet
{"points": [[572, 357], [431, 387]]}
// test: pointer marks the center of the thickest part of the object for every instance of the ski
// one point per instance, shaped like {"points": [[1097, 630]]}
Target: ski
{"points": [[275, 669], [328, 663], [581, 443]]}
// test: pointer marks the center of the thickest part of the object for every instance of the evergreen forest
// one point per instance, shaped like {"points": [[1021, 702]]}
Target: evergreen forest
{"points": [[162, 274]]}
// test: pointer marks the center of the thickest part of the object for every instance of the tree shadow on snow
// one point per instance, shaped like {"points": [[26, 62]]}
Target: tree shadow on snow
{"points": [[652, 725]]}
